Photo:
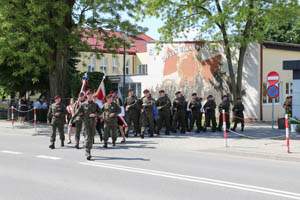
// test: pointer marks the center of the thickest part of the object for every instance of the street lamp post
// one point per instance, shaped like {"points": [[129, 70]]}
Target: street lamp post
{"points": [[124, 68]]}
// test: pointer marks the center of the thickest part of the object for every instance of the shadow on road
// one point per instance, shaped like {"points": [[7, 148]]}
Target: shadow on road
{"points": [[94, 158]]}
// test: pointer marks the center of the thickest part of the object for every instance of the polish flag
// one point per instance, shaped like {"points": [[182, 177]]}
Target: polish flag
{"points": [[101, 93], [121, 117], [84, 82]]}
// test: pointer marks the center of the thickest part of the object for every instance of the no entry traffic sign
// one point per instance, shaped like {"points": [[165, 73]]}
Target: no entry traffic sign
{"points": [[273, 78], [273, 91]]}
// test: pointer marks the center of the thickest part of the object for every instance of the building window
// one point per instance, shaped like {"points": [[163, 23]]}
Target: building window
{"points": [[116, 66], [142, 69], [288, 89], [92, 64], [266, 99], [103, 65], [127, 65]]}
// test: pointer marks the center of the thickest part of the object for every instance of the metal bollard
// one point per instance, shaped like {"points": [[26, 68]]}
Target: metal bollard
{"points": [[224, 128], [287, 133], [12, 117]]}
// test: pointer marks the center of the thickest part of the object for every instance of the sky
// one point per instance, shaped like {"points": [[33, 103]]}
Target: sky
{"points": [[153, 24]]}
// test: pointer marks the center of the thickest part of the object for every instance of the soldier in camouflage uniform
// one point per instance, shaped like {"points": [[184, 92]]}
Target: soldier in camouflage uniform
{"points": [[111, 111], [147, 113], [238, 111], [132, 112], [56, 114], [78, 121], [90, 111], [163, 105], [224, 105], [179, 107], [210, 114], [195, 106]]}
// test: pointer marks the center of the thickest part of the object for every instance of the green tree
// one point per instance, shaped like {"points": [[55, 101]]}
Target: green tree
{"points": [[35, 35], [234, 22], [289, 33]]}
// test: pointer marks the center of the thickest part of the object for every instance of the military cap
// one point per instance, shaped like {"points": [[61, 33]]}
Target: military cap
{"points": [[239, 98], [194, 94], [112, 91], [108, 96], [224, 96], [210, 96], [130, 90], [81, 94], [146, 91], [161, 91], [89, 92], [178, 93], [56, 97]]}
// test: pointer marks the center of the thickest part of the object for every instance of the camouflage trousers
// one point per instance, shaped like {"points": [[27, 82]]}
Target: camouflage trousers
{"points": [[60, 127]]}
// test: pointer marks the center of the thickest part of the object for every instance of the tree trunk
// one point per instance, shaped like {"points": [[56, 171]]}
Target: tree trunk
{"points": [[242, 53], [58, 75]]}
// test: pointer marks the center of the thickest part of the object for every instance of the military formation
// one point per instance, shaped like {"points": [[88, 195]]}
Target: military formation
{"points": [[145, 115]]}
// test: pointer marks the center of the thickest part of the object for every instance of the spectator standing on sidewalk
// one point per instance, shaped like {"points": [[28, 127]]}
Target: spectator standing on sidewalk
{"points": [[23, 108]]}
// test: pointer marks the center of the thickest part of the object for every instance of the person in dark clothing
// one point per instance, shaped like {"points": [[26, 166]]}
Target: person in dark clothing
{"points": [[179, 107], [238, 111], [195, 106], [210, 115], [224, 105], [163, 105], [23, 108]]}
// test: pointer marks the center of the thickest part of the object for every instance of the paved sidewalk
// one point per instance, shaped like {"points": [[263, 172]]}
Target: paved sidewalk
{"points": [[263, 146]]}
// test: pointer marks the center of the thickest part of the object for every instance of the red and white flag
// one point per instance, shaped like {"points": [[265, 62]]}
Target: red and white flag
{"points": [[120, 116], [101, 93]]}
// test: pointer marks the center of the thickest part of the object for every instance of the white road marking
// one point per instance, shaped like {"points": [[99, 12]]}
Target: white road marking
{"points": [[220, 183], [11, 152], [48, 157]]}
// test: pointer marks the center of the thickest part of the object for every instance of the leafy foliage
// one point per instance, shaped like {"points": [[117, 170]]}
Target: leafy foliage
{"points": [[234, 22], [35, 37]]}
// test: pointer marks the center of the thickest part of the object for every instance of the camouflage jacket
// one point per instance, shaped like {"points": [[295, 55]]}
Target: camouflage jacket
{"points": [[195, 105], [147, 104], [75, 108], [164, 103], [180, 104], [210, 106], [86, 109], [224, 106], [59, 109], [108, 109], [132, 102]]}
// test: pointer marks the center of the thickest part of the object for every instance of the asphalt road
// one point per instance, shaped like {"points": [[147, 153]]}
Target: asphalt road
{"points": [[140, 169]]}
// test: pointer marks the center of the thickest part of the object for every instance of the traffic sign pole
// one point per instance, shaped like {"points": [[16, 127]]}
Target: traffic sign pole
{"points": [[273, 113]]}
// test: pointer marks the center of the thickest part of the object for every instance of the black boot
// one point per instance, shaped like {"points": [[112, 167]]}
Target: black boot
{"points": [[88, 155], [52, 146], [167, 132], [114, 143], [142, 136], [76, 146], [242, 129], [198, 130], [62, 144], [105, 145]]}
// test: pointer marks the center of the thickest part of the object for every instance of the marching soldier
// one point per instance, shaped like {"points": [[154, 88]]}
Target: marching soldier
{"points": [[195, 106], [132, 112], [111, 111], [56, 114], [224, 105], [238, 111], [163, 105], [78, 120], [147, 113], [210, 115], [90, 111], [179, 107]]}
